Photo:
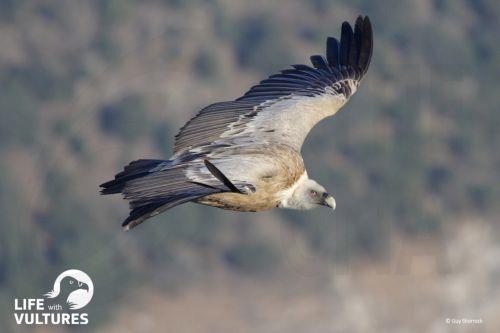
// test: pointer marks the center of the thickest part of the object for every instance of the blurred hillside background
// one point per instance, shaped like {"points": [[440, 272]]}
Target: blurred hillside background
{"points": [[413, 161]]}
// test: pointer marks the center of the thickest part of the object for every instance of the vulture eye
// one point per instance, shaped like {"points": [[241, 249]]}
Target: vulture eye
{"points": [[313, 193], [70, 282]]}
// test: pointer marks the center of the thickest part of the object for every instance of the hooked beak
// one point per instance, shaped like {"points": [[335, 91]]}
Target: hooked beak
{"points": [[83, 285], [329, 201]]}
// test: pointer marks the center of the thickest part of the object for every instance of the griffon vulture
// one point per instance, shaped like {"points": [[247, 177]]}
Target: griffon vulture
{"points": [[244, 155]]}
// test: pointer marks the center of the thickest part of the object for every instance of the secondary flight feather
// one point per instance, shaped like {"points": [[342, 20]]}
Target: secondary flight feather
{"points": [[244, 154]]}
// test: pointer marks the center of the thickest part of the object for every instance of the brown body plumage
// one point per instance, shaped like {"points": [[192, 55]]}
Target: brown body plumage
{"points": [[289, 166]]}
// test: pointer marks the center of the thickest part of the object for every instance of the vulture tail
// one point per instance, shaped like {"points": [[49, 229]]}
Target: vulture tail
{"points": [[135, 169], [152, 187]]}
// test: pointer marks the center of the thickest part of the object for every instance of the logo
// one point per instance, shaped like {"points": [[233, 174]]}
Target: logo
{"points": [[72, 290], [73, 287]]}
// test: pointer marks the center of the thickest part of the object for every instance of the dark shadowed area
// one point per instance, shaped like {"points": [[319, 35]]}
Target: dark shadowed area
{"points": [[412, 160]]}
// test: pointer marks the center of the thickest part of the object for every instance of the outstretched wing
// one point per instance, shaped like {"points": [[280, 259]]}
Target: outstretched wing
{"points": [[283, 108]]}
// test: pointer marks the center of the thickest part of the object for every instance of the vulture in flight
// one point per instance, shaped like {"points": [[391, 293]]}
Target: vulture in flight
{"points": [[244, 155]]}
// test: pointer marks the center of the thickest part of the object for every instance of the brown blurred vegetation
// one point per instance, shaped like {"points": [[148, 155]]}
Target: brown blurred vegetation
{"points": [[88, 86]]}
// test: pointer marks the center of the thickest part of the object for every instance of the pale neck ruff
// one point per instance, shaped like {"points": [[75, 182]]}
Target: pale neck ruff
{"points": [[285, 197]]}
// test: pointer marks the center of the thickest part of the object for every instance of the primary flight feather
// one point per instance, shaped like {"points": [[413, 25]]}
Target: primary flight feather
{"points": [[244, 154]]}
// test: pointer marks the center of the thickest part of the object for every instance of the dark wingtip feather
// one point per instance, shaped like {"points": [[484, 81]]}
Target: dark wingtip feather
{"points": [[319, 62], [142, 213], [332, 52], [355, 47], [366, 49], [356, 42], [345, 43], [112, 187]]}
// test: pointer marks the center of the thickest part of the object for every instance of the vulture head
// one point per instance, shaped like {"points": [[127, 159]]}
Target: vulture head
{"points": [[308, 194]]}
